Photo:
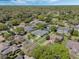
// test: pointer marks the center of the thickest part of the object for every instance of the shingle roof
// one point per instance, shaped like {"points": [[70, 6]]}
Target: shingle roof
{"points": [[34, 22], [73, 46], [29, 28], [18, 38], [39, 32], [3, 46], [63, 30], [11, 48]]}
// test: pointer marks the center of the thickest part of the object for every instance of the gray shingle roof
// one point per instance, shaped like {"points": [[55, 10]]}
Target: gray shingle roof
{"points": [[3, 46], [19, 38], [11, 48], [29, 28], [36, 21], [73, 46], [63, 30], [39, 32]]}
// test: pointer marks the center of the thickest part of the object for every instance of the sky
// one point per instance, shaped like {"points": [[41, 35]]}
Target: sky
{"points": [[39, 2]]}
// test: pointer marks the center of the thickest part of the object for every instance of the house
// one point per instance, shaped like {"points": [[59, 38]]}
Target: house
{"points": [[39, 33], [56, 38], [3, 46], [53, 38], [28, 46], [36, 21], [73, 47], [12, 48], [29, 28], [19, 38], [63, 30]]}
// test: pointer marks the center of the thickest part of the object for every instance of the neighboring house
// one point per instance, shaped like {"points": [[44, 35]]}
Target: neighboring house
{"points": [[56, 38], [3, 46], [29, 28], [19, 39], [39, 33], [12, 48], [2, 32], [63, 30], [36, 21], [28, 46], [53, 39], [73, 47]]}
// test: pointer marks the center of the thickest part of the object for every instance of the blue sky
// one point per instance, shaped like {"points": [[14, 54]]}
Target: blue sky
{"points": [[39, 2]]}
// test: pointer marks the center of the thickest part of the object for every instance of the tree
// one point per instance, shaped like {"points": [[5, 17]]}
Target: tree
{"points": [[3, 26], [41, 17], [53, 28], [40, 26], [15, 22], [19, 30], [27, 20], [75, 33], [51, 52], [7, 35]]}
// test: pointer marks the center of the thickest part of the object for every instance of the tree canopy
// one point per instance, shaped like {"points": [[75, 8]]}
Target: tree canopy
{"points": [[51, 52]]}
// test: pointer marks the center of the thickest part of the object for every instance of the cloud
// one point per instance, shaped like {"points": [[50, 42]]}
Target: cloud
{"points": [[33, 2], [27, 2]]}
